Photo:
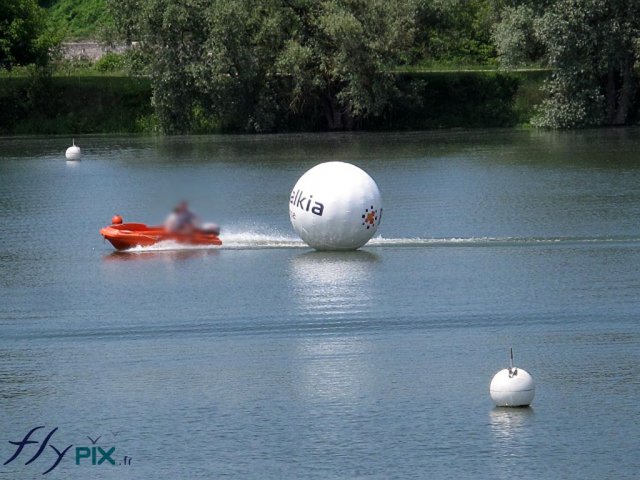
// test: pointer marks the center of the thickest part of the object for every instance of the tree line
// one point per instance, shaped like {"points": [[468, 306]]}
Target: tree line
{"points": [[256, 65]]}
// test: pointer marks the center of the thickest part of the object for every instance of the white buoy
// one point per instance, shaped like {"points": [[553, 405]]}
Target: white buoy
{"points": [[73, 152], [512, 387], [335, 206]]}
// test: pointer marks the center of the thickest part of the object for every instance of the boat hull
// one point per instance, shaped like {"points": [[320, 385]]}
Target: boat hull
{"points": [[129, 235]]}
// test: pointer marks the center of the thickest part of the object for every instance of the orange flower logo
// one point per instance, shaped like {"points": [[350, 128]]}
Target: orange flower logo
{"points": [[370, 217]]}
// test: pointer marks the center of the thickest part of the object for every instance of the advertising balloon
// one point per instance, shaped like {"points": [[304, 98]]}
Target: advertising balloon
{"points": [[335, 206]]}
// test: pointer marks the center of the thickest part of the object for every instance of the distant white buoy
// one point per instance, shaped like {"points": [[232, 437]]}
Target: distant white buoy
{"points": [[73, 152], [335, 206], [512, 387]]}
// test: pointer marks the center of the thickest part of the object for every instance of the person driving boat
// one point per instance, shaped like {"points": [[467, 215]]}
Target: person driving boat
{"points": [[182, 220]]}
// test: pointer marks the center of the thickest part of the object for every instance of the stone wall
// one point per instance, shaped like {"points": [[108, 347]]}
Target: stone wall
{"points": [[89, 50]]}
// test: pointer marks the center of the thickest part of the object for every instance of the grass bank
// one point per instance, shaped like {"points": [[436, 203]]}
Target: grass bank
{"points": [[116, 104], [78, 19]]}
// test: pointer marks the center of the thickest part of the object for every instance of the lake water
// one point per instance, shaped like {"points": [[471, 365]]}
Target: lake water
{"points": [[264, 359]]}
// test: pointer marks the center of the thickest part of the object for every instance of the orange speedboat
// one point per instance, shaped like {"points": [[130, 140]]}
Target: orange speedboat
{"points": [[127, 235]]}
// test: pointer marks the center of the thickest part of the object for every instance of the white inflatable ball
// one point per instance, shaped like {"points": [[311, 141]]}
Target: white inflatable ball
{"points": [[73, 152], [335, 206], [512, 387]]}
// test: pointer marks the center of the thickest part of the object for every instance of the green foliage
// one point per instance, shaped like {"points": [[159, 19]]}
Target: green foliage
{"points": [[455, 32], [515, 37], [79, 19], [77, 66], [236, 79], [111, 62], [136, 62], [55, 105], [90, 104], [24, 38], [148, 123], [172, 35], [341, 54], [592, 46], [452, 99], [256, 62], [572, 101], [530, 94]]}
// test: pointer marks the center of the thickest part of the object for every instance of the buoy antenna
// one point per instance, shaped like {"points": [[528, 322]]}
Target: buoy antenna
{"points": [[512, 371]]}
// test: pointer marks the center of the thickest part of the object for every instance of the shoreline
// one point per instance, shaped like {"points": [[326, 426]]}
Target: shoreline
{"points": [[110, 104]]}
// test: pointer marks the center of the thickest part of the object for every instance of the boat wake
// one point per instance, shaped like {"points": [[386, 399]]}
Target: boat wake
{"points": [[253, 240], [497, 241], [247, 240]]}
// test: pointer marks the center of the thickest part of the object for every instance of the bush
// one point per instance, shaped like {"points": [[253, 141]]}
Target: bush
{"points": [[452, 99], [111, 62], [572, 101], [63, 105]]}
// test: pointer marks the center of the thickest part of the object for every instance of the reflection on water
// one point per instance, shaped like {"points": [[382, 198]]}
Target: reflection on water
{"points": [[513, 438], [163, 255], [333, 282], [510, 426], [334, 368], [337, 285], [333, 268], [316, 258]]}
